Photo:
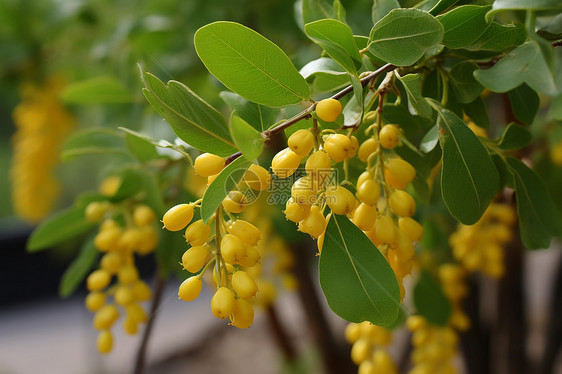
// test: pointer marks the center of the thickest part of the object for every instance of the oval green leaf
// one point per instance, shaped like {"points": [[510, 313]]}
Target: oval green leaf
{"points": [[78, 269], [98, 90], [249, 140], [430, 300], [258, 116], [464, 25]]}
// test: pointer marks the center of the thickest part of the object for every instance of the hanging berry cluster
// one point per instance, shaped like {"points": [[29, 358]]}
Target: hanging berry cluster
{"points": [[368, 349]]}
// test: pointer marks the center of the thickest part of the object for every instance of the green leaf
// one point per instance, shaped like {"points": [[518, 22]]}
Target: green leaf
{"points": [[538, 218], [465, 87], [158, 143], [59, 227], [98, 90], [336, 38], [356, 279], [514, 137], [131, 183], [249, 140], [78, 269], [500, 5], [464, 25], [499, 38], [404, 35], [141, 148], [353, 110], [92, 142], [430, 300], [381, 8], [322, 65], [524, 103], [469, 179], [152, 192], [416, 102], [192, 119], [258, 116], [313, 10], [250, 65], [525, 64], [440, 6], [552, 30], [477, 112], [224, 183], [430, 139]]}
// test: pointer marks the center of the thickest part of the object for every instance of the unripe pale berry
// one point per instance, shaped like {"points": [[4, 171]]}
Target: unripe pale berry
{"points": [[222, 303], [96, 210], [105, 342], [243, 284], [195, 258], [98, 280], [340, 200], [242, 314], [235, 202], [301, 142], [111, 262], [190, 289], [388, 136], [128, 274], [232, 249], [411, 228], [367, 148], [197, 233], [208, 164], [328, 110], [257, 177], [247, 232], [143, 215], [365, 216], [399, 173], [314, 224], [369, 192], [303, 191], [402, 204], [294, 211], [385, 230], [177, 217], [285, 163], [95, 301], [338, 146]]}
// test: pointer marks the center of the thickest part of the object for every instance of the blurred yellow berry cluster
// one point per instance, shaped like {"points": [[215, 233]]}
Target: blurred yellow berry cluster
{"points": [[368, 349]]}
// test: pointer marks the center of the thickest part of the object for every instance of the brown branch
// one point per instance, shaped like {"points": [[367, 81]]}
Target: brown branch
{"points": [[557, 44], [280, 334]]}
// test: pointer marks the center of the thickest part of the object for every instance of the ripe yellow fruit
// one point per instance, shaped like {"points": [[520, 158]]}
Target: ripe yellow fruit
{"points": [[338, 147], [328, 110], [360, 350], [208, 164], [148, 241], [301, 142], [399, 173], [177, 217], [402, 203], [110, 185], [388, 136], [235, 202], [303, 191], [131, 239], [383, 362], [107, 239], [195, 258], [352, 332], [111, 262], [294, 211], [128, 274], [247, 232], [143, 215], [242, 314], [340, 200], [257, 177], [320, 241], [197, 233], [141, 291], [124, 296], [130, 326], [365, 216], [369, 192], [251, 257], [366, 175], [105, 342], [285, 163], [95, 301], [136, 313], [222, 303], [244, 285], [385, 230], [367, 148], [98, 280], [105, 317], [404, 248], [96, 210], [411, 228], [314, 224], [190, 289], [232, 249]]}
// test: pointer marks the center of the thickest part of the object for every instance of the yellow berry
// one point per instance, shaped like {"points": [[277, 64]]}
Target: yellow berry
{"points": [[367, 148], [404, 248], [107, 239], [110, 185], [368, 192], [328, 110], [105, 342], [402, 203], [148, 240], [354, 146], [250, 258], [257, 177], [360, 350], [385, 230], [136, 313], [128, 274], [320, 241], [399, 173], [367, 367], [177, 217], [96, 210], [314, 224], [141, 291], [243, 284], [365, 216], [143, 215], [338, 146], [95, 301], [208, 164], [301, 142], [242, 314], [232, 249], [247, 232], [411, 228], [352, 332], [197, 233], [556, 154], [340, 200], [111, 262], [131, 239], [124, 296], [190, 289], [267, 293], [130, 326], [318, 164], [388, 136], [383, 362], [285, 163], [222, 303], [105, 317], [195, 258], [303, 191], [235, 202], [98, 280], [294, 211]]}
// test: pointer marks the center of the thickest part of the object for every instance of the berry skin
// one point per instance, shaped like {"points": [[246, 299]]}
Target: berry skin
{"points": [[105, 317], [360, 350], [402, 203], [96, 210], [314, 224], [208, 164], [141, 291], [385, 230], [247, 232], [369, 192], [105, 342], [195, 258], [95, 301], [243, 284], [143, 216], [250, 258], [148, 240], [365, 216], [190, 289], [98, 280], [130, 326], [340, 200], [197, 233], [388, 136], [338, 147], [319, 167], [411, 228], [285, 163], [111, 262], [367, 148], [177, 217], [294, 211], [222, 303], [110, 185], [328, 110], [124, 296], [404, 248], [232, 249], [301, 142], [257, 177], [303, 191], [235, 202], [242, 314], [130, 239], [399, 173], [128, 274], [107, 238]]}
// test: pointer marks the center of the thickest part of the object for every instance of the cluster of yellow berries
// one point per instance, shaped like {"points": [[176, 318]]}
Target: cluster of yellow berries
{"points": [[453, 282], [368, 349], [479, 247], [118, 245], [42, 125], [434, 347]]}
